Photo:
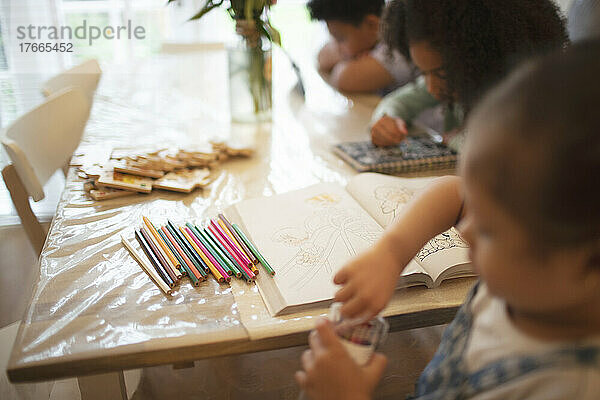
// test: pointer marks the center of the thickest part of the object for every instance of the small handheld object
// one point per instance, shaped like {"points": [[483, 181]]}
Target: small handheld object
{"points": [[359, 338]]}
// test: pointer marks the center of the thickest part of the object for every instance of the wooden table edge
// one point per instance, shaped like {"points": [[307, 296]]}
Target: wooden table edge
{"points": [[188, 354]]}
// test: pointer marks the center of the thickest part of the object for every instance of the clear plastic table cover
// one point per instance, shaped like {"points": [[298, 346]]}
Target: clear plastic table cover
{"points": [[92, 299]]}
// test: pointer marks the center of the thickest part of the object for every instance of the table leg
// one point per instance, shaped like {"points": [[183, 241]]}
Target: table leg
{"points": [[103, 387]]}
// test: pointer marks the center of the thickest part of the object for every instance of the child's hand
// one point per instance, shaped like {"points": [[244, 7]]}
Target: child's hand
{"points": [[388, 131], [329, 371], [368, 281]]}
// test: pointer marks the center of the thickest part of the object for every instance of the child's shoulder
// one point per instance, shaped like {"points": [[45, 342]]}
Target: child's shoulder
{"points": [[544, 370], [552, 384]]}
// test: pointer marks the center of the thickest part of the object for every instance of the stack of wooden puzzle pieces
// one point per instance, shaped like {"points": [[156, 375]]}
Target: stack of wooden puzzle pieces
{"points": [[129, 172]]}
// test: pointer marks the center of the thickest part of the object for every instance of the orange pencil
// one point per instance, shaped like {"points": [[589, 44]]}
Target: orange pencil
{"points": [[212, 268], [174, 271], [173, 262]]}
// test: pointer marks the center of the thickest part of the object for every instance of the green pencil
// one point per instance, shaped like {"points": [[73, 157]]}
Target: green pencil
{"points": [[254, 250], [219, 249], [211, 250], [184, 265]]}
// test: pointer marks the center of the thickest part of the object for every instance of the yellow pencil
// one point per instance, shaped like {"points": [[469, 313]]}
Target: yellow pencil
{"points": [[240, 247], [173, 263], [212, 268]]}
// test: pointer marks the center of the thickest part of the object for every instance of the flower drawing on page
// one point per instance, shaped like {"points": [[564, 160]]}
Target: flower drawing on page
{"points": [[447, 240], [327, 236], [392, 198]]}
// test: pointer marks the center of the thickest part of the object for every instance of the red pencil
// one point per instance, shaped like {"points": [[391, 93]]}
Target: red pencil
{"points": [[240, 263], [225, 236], [207, 254]]}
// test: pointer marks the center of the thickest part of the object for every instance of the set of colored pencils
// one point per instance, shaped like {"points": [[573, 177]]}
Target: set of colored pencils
{"points": [[220, 249]]}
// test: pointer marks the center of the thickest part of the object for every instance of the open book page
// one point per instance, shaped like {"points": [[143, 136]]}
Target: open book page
{"points": [[306, 235], [414, 275], [445, 256], [385, 196]]}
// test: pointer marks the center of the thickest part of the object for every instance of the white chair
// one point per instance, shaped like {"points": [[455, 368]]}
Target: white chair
{"points": [[85, 76], [38, 144]]}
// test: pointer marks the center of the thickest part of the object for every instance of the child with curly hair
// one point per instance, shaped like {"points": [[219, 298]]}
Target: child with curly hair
{"points": [[527, 203], [461, 47]]}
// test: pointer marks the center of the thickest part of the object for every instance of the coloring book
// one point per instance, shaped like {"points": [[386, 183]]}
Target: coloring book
{"points": [[307, 235]]}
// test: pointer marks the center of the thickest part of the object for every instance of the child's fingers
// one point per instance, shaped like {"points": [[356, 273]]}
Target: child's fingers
{"points": [[300, 377], [375, 368], [342, 276], [326, 336], [401, 125], [357, 307], [344, 294], [307, 359], [381, 137]]}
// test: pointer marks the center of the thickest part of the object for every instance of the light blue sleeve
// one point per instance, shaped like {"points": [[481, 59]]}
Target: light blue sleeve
{"points": [[406, 103]]}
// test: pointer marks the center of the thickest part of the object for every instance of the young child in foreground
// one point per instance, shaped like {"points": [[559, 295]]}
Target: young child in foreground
{"points": [[528, 204], [355, 60]]}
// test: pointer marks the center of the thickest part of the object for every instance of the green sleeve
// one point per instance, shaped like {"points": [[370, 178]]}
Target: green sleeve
{"points": [[406, 102]]}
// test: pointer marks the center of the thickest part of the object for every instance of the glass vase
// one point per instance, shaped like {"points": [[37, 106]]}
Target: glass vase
{"points": [[250, 83]]}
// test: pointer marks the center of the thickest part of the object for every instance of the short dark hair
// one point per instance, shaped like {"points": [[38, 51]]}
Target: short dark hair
{"points": [[536, 146], [479, 40], [349, 11]]}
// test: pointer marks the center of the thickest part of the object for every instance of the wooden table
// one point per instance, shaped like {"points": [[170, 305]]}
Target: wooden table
{"points": [[93, 310]]}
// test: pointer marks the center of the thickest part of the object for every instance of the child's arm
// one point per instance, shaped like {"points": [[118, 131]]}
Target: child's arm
{"points": [[329, 371], [398, 109], [362, 74], [369, 280], [328, 57]]}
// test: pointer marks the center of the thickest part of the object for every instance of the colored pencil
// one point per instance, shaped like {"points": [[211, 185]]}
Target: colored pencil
{"points": [[157, 266], [262, 260], [237, 251], [158, 254], [154, 277], [173, 263], [189, 250], [183, 255], [241, 265], [179, 260], [209, 235], [230, 268], [208, 254], [239, 240], [218, 276], [211, 250], [184, 266]]}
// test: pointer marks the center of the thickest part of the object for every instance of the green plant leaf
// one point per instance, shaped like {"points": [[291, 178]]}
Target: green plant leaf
{"points": [[272, 33], [208, 6]]}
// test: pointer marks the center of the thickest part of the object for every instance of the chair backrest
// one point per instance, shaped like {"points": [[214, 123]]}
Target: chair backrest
{"points": [[43, 140], [85, 76]]}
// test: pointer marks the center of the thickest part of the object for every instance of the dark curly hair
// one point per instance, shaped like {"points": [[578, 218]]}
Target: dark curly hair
{"points": [[349, 11], [479, 40]]}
